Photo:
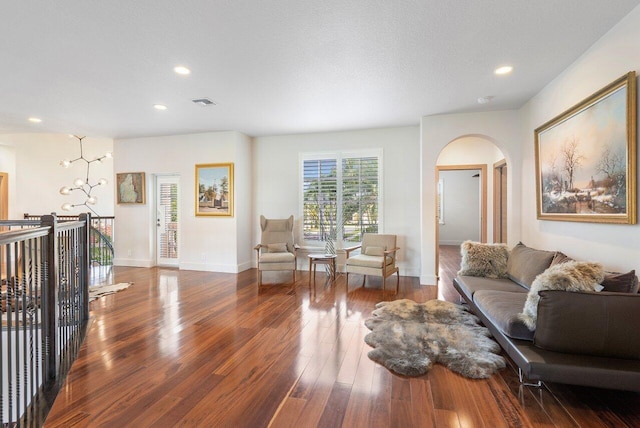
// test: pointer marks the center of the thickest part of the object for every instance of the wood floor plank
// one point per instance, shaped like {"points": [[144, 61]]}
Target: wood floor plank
{"points": [[192, 349]]}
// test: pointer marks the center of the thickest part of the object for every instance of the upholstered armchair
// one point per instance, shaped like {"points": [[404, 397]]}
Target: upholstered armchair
{"points": [[377, 257], [276, 250]]}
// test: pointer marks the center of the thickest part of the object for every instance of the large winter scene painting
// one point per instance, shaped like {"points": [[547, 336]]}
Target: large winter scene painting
{"points": [[582, 162]]}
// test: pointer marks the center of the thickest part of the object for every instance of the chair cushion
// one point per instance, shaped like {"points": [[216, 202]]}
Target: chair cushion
{"points": [[277, 248], [374, 251], [363, 260], [276, 257]]}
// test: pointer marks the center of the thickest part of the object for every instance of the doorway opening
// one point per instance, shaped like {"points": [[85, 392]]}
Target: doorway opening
{"points": [[471, 155], [167, 220]]}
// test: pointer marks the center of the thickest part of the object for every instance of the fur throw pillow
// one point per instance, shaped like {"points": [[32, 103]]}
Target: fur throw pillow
{"points": [[488, 260], [568, 276]]}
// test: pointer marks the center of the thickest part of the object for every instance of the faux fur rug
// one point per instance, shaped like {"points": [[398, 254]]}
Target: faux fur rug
{"points": [[104, 290], [409, 337]]}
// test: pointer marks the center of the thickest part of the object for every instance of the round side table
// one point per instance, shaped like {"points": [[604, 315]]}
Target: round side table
{"points": [[322, 259]]}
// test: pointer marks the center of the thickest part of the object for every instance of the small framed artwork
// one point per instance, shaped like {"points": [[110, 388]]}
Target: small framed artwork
{"points": [[586, 158], [214, 189], [130, 187]]}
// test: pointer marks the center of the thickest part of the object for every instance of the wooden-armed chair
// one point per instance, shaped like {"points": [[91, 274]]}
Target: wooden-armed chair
{"points": [[377, 257], [276, 250]]}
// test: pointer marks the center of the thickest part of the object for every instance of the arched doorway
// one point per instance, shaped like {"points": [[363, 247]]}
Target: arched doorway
{"points": [[466, 206]]}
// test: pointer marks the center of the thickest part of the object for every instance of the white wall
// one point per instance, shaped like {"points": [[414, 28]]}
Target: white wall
{"points": [[206, 243], [503, 129], [35, 186], [461, 206], [277, 180], [616, 246]]}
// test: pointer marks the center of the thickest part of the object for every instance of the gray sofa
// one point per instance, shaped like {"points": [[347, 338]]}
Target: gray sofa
{"points": [[581, 338]]}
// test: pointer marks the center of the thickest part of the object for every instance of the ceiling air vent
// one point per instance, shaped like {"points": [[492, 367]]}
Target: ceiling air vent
{"points": [[203, 102]]}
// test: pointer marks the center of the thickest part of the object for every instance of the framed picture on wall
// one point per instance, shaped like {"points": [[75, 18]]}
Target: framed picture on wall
{"points": [[214, 189], [586, 158], [130, 187]]}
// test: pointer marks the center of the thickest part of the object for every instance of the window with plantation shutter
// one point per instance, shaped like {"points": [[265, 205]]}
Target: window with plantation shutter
{"points": [[359, 197], [320, 190], [340, 196]]}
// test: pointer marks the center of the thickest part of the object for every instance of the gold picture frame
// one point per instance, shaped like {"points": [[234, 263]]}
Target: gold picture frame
{"points": [[130, 188], [214, 189], [586, 158]]}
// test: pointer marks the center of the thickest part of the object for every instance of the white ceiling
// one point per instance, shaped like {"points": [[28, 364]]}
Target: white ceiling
{"points": [[96, 67]]}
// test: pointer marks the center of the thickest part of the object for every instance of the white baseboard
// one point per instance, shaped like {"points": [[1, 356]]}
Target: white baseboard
{"points": [[428, 280], [245, 266], [446, 242], [206, 267], [133, 263]]}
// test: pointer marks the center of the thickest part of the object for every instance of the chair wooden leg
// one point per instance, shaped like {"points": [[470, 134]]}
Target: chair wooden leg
{"points": [[384, 284], [398, 281], [259, 280]]}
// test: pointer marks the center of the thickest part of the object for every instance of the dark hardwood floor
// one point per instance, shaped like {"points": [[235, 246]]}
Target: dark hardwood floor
{"points": [[202, 349]]}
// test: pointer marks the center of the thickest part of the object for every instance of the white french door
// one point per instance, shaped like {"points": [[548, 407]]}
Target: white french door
{"points": [[167, 220]]}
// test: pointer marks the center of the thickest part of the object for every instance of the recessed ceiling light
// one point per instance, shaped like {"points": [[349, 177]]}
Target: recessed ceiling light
{"points": [[35, 120], [485, 100], [506, 69], [182, 70], [159, 107]]}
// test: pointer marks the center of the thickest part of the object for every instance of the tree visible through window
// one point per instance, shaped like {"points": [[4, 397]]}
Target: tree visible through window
{"points": [[340, 198]]}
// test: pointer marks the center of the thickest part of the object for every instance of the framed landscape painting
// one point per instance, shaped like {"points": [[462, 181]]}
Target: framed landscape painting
{"points": [[214, 189], [130, 187], [586, 159]]}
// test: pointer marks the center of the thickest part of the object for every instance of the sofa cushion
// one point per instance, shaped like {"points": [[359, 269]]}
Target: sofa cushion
{"points": [[484, 260], [560, 257], [526, 263], [601, 324], [620, 282], [470, 284], [502, 309]]}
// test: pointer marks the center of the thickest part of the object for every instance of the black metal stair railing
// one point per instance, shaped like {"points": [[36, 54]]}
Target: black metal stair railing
{"points": [[101, 238], [44, 278]]}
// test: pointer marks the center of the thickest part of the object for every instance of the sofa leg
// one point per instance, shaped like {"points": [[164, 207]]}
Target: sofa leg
{"points": [[522, 381], [364, 278]]}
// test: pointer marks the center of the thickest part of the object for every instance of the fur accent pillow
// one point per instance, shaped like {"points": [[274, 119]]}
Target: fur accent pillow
{"points": [[488, 260], [567, 276]]}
